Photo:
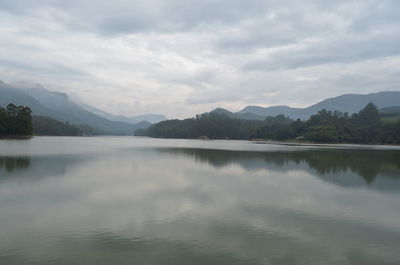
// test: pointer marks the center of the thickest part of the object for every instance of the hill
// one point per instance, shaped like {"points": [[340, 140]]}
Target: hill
{"points": [[270, 111], [350, 103], [49, 126], [58, 106], [326, 126], [237, 115], [151, 118], [9, 95], [390, 111], [390, 114]]}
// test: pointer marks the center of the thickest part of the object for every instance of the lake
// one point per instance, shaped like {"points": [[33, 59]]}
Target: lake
{"points": [[128, 200]]}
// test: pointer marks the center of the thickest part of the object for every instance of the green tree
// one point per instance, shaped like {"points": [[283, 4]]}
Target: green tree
{"points": [[15, 120], [367, 125]]}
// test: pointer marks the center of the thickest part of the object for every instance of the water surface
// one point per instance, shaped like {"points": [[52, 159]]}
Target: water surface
{"points": [[126, 200]]}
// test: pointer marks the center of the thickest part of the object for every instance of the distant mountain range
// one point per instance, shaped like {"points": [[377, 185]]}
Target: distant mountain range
{"points": [[239, 115], [152, 118], [58, 106], [350, 103]]}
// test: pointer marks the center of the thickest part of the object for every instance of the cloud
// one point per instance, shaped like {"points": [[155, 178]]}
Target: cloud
{"points": [[121, 16], [342, 49], [184, 57]]}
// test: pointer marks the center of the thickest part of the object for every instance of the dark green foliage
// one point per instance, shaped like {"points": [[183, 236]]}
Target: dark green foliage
{"points": [[18, 121], [210, 125], [390, 114], [323, 133], [278, 120], [336, 127], [49, 126], [368, 124], [15, 121], [323, 127], [390, 133]]}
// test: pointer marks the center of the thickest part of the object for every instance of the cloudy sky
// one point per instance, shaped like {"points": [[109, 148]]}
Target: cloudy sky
{"points": [[181, 57]]}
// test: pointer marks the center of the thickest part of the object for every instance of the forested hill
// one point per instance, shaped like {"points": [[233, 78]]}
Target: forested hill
{"points": [[350, 103], [366, 126], [18, 121], [57, 105], [48, 126]]}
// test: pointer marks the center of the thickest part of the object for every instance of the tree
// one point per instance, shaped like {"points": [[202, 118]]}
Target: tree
{"points": [[367, 124], [325, 126], [15, 120]]}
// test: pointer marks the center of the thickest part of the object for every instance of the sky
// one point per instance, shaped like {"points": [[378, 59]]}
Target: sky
{"points": [[182, 57]]}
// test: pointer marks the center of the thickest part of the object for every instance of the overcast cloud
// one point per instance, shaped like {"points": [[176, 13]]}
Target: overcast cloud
{"points": [[184, 57]]}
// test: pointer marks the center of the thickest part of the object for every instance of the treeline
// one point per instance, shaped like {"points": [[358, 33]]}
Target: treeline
{"points": [[49, 126], [324, 127], [45, 126], [210, 125], [15, 121], [18, 121]]}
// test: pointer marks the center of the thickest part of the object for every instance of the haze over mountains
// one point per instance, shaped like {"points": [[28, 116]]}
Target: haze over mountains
{"points": [[152, 118], [350, 103], [58, 106]]}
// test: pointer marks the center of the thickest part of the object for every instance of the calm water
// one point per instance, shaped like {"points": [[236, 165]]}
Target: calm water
{"points": [[125, 200]]}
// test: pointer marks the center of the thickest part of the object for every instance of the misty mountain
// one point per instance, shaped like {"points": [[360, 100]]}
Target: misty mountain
{"points": [[49, 126], [390, 111], [9, 95], [270, 111], [350, 103], [152, 118], [58, 106], [238, 115]]}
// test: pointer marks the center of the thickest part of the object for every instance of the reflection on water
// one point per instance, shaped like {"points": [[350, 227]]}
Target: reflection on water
{"points": [[14, 163], [37, 167], [123, 201], [335, 164]]}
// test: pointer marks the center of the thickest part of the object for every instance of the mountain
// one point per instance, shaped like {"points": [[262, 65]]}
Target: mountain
{"points": [[270, 111], [353, 103], [238, 115], [58, 106], [350, 103], [9, 94], [390, 114], [49, 126], [390, 111], [152, 118]]}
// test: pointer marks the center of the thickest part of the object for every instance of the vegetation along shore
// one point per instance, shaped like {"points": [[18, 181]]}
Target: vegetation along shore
{"points": [[368, 126]]}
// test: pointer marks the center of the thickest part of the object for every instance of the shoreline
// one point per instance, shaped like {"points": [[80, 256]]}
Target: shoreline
{"points": [[315, 144], [286, 143], [255, 141], [15, 137]]}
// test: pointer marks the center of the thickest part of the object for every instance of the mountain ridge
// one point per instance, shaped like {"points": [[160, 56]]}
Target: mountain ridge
{"points": [[46, 97], [350, 103], [152, 118], [58, 106]]}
